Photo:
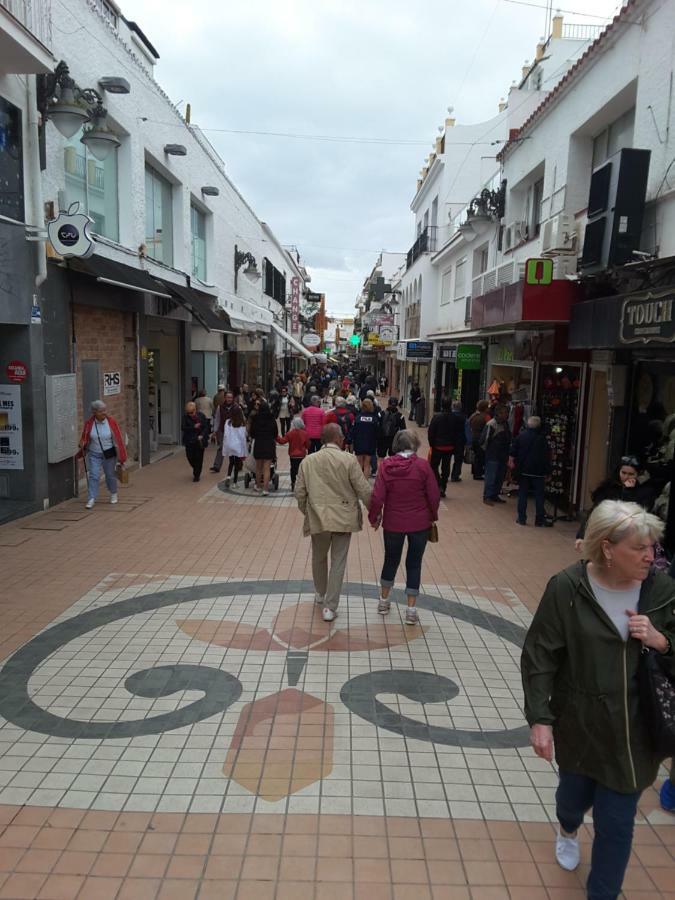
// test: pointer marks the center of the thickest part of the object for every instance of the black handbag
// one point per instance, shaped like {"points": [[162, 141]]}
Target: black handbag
{"points": [[111, 451], [657, 699]]}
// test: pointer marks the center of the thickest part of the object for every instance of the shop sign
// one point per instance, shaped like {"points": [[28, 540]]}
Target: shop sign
{"points": [[469, 356], [295, 305], [421, 350], [533, 345], [313, 297], [112, 383], [69, 233], [388, 334], [648, 317], [17, 371], [11, 436], [311, 340], [377, 320], [539, 271], [447, 354]]}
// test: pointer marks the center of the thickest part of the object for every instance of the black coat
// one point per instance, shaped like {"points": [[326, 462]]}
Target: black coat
{"points": [[447, 430], [531, 453], [196, 432], [264, 431]]}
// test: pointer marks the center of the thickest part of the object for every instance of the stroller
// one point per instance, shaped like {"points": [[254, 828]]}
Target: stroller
{"points": [[249, 471]]}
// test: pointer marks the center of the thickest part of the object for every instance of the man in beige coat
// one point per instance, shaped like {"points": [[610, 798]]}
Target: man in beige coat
{"points": [[329, 487]]}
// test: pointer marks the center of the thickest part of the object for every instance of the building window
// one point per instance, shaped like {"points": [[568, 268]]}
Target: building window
{"points": [[11, 162], [92, 183], [198, 230], [446, 283], [614, 138], [535, 211], [158, 217], [107, 10], [275, 282], [460, 279]]}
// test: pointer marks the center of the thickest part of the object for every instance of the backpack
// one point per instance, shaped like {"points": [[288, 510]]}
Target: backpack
{"points": [[390, 423], [343, 417]]}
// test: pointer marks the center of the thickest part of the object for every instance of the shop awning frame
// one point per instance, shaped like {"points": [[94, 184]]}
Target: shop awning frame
{"points": [[200, 307], [292, 341], [116, 274]]}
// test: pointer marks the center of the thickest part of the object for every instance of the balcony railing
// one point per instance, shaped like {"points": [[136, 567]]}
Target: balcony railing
{"points": [[425, 243], [574, 32], [35, 16]]}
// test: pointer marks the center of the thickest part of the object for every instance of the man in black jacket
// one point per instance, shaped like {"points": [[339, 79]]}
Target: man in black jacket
{"points": [[446, 436], [530, 457]]}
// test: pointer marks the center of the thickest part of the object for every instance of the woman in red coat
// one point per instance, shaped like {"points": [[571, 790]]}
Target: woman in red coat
{"points": [[103, 445], [298, 446], [405, 502]]}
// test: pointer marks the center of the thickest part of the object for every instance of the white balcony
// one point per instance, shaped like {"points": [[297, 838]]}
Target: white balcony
{"points": [[25, 37]]}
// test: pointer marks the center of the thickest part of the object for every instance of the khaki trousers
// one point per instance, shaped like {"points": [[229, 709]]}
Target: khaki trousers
{"points": [[327, 584]]}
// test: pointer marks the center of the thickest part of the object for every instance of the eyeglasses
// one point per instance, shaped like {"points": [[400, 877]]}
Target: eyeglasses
{"points": [[630, 461]]}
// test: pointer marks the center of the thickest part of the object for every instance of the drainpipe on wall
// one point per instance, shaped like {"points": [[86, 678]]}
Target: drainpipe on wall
{"points": [[35, 175]]}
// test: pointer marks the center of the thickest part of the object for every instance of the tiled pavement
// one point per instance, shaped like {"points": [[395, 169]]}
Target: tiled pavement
{"points": [[197, 731]]}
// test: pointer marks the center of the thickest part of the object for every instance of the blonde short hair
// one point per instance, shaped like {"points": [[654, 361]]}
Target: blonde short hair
{"points": [[614, 521]]}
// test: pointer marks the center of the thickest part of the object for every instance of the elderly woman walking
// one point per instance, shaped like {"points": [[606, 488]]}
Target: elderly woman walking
{"points": [[103, 447], [298, 446], [405, 502], [313, 417], [580, 678], [196, 431]]}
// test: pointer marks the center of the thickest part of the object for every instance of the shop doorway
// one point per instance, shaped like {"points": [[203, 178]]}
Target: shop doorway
{"points": [[163, 392], [597, 434]]}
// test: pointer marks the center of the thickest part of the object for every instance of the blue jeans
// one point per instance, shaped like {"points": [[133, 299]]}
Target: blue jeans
{"points": [[96, 461], [525, 482], [613, 820], [393, 550], [495, 472]]}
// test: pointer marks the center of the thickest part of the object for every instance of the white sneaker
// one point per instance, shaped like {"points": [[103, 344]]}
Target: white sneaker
{"points": [[567, 851], [89, 504], [411, 616], [319, 599], [383, 606], [328, 614], [265, 493], [113, 498]]}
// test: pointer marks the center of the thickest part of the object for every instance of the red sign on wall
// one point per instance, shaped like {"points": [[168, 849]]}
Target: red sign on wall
{"points": [[17, 371], [295, 305]]}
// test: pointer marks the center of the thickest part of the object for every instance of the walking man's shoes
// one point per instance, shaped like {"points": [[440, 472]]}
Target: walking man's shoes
{"points": [[328, 615]]}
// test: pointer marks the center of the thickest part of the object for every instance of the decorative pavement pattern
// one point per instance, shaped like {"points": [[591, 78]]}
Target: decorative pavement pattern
{"points": [[199, 732]]}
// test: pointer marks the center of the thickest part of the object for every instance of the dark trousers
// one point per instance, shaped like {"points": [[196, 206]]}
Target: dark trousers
{"points": [[457, 462], [393, 550], [495, 473], [284, 425], [525, 484], [314, 445], [373, 463], [234, 465], [218, 460], [195, 456], [295, 465], [384, 446], [613, 821], [478, 464], [441, 458]]}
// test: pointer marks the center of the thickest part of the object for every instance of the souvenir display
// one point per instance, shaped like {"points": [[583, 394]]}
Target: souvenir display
{"points": [[559, 411]]}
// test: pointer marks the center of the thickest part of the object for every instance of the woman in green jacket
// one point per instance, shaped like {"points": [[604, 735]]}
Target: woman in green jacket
{"points": [[579, 669]]}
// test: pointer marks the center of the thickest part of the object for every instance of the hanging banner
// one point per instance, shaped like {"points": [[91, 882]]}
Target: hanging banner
{"points": [[11, 431], [295, 305]]}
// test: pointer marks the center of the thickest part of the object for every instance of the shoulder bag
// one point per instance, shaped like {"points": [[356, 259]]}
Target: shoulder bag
{"points": [[111, 451], [657, 700]]}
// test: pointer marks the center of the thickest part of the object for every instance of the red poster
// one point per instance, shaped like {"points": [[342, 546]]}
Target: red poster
{"points": [[17, 371]]}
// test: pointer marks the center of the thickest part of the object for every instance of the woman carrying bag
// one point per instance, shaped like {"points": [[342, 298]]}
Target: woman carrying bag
{"points": [[102, 447]]}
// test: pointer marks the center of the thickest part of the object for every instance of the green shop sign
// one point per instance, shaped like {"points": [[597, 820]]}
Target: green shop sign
{"points": [[469, 356]]}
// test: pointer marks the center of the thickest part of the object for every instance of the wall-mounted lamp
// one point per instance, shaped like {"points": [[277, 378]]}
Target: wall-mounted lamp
{"points": [[114, 84], [175, 150], [210, 191], [251, 270]]}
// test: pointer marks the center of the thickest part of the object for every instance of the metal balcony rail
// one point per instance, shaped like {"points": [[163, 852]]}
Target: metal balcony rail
{"points": [[508, 273], [35, 16], [426, 243], [582, 32]]}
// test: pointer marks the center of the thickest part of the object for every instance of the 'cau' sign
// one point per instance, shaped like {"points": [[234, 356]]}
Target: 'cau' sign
{"points": [[69, 233], [648, 316]]}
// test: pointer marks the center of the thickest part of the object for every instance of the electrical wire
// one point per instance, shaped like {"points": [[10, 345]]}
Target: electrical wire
{"points": [[572, 12]]}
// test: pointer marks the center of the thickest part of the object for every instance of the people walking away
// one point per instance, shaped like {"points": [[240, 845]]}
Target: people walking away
{"points": [[103, 447], [298, 446], [284, 411], [341, 415], [218, 397], [495, 441], [235, 446], [204, 405], [263, 432], [329, 487], [310, 393], [477, 421], [405, 502], [531, 459], [369, 384], [313, 417], [442, 434], [224, 412], [580, 679], [365, 433], [391, 423], [415, 397], [196, 430]]}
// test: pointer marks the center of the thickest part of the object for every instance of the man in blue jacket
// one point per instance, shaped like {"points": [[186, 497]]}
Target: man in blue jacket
{"points": [[530, 457]]}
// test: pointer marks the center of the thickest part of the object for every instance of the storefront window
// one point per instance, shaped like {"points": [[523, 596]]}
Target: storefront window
{"points": [[158, 217], [92, 183], [559, 410], [198, 228]]}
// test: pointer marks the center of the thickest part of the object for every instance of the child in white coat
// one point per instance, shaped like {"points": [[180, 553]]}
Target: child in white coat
{"points": [[234, 444]]}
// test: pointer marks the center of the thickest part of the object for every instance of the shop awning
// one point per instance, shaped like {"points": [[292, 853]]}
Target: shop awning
{"points": [[202, 307], [291, 340], [108, 271]]}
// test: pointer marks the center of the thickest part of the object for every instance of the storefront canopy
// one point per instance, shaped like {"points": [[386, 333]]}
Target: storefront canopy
{"points": [[202, 307], [108, 271], [292, 341]]}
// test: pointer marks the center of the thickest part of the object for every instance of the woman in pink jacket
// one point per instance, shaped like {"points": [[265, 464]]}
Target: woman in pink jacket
{"points": [[405, 502], [313, 417]]}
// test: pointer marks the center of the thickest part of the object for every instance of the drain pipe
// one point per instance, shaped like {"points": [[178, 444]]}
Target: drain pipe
{"points": [[35, 176]]}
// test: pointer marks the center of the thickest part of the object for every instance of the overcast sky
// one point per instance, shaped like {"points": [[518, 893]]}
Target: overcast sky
{"points": [[364, 69]]}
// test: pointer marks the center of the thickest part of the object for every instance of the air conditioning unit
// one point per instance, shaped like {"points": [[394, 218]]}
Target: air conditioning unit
{"points": [[558, 235], [514, 234]]}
